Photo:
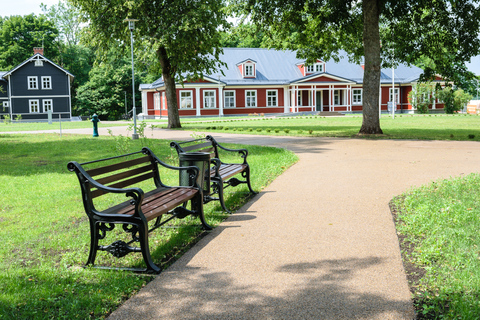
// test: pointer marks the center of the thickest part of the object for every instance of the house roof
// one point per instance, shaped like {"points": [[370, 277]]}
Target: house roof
{"points": [[278, 67], [36, 56]]}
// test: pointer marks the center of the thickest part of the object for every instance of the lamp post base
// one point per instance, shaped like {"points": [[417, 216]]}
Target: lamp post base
{"points": [[134, 136]]}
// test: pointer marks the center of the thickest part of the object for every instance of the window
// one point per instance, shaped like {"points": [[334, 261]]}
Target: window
{"points": [[316, 67], [46, 83], [397, 97], [209, 99], [299, 98], [38, 63], [271, 98], [357, 96], [47, 105], [185, 99], [336, 97], [5, 104], [251, 98], [34, 106], [32, 83], [229, 99], [249, 71], [156, 101]]}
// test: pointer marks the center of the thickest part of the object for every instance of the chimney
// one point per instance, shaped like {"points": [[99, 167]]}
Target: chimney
{"points": [[38, 50]]}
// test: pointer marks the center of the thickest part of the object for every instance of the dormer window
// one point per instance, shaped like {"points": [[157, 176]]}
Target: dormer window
{"points": [[316, 67], [247, 68]]}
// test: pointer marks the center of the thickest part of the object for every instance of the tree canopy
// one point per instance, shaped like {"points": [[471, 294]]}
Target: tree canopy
{"points": [[384, 33], [182, 35], [20, 34]]}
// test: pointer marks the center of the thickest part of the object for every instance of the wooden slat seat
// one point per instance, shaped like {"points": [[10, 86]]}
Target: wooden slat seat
{"points": [[134, 214], [221, 174]]}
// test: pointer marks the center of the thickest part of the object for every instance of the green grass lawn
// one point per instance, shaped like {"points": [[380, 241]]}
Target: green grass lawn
{"points": [[34, 126], [45, 232], [438, 225], [430, 127]]}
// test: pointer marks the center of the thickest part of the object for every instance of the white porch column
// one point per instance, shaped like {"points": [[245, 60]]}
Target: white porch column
{"points": [[197, 101], [220, 101], [286, 96], [330, 93]]}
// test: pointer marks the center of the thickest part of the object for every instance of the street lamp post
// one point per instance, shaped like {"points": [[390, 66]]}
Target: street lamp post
{"points": [[131, 26]]}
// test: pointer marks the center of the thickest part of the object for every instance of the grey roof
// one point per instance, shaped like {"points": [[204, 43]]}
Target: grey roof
{"points": [[276, 67], [33, 57]]}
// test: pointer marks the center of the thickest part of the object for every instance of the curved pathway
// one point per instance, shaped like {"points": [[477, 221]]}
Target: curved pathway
{"points": [[318, 243]]}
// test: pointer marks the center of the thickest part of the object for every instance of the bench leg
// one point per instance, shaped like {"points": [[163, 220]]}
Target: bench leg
{"points": [[218, 185], [247, 177], [197, 206], [143, 237], [94, 235]]}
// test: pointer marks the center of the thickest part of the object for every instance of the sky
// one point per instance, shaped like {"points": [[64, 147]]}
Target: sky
{"points": [[23, 7]]}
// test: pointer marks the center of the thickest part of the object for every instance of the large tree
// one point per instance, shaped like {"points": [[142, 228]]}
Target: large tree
{"points": [[183, 34], [384, 33], [20, 34]]}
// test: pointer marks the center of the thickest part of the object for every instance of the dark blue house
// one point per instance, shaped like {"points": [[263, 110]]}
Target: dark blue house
{"points": [[33, 88]]}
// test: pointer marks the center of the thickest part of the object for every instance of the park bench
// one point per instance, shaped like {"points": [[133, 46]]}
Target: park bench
{"points": [[221, 174], [122, 175]]}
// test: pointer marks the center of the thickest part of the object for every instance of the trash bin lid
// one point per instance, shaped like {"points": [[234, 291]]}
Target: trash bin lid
{"points": [[194, 156]]}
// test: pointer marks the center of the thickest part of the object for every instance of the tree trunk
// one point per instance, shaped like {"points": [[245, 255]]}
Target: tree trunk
{"points": [[371, 78], [170, 88]]}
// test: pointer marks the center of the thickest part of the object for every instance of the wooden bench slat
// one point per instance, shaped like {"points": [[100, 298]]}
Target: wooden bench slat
{"points": [[227, 171], [125, 174], [124, 183], [161, 202], [118, 166]]}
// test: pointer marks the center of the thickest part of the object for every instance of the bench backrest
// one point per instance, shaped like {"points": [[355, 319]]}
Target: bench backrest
{"points": [[197, 145], [127, 170]]}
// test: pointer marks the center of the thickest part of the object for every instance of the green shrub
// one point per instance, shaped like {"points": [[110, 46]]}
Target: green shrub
{"points": [[268, 130], [286, 130], [277, 130], [310, 131], [259, 130], [250, 129]]}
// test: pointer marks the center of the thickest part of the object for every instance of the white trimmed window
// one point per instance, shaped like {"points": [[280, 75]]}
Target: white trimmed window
{"points": [[397, 96], [229, 99], [186, 99], [32, 83], [47, 105], [46, 83], [271, 98], [34, 106], [249, 70], [357, 96], [156, 101], [209, 99], [336, 97], [316, 67], [250, 98]]}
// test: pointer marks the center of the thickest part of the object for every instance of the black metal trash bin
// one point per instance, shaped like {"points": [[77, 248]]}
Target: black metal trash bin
{"points": [[200, 160]]}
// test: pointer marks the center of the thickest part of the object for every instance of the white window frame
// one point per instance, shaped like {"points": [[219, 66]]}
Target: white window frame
{"points": [[274, 97], [209, 101], [32, 83], [249, 70], [299, 98], [186, 98], [250, 96], [45, 103], [397, 95], [316, 67], [336, 97], [357, 98], [35, 103], [46, 83], [156, 101], [228, 102]]}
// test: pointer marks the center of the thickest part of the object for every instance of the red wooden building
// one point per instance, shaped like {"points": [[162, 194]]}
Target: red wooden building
{"points": [[275, 82]]}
